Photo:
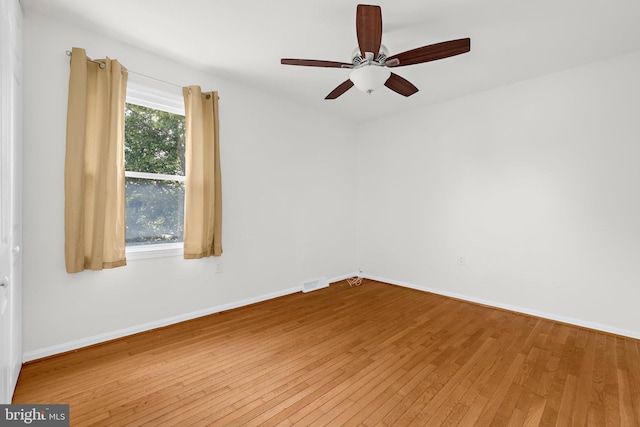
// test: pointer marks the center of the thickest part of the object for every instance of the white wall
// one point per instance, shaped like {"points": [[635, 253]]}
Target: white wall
{"points": [[536, 184], [288, 189]]}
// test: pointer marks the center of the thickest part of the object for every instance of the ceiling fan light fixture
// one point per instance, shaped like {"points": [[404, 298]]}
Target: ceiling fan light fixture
{"points": [[369, 77], [370, 61]]}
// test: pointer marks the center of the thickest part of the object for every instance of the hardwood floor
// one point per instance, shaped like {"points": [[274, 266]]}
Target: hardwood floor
{"points": [[376, 354]]}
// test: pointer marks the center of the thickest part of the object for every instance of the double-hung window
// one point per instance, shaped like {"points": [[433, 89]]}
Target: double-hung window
{"points": [[155, 172]]}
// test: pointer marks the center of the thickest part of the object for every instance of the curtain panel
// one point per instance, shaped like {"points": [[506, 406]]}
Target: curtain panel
{"points": [[94, 164], [203, 187]]}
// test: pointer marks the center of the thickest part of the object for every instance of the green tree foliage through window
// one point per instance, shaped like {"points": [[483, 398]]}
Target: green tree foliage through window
{"points": [[154, 144], [154, 141]]}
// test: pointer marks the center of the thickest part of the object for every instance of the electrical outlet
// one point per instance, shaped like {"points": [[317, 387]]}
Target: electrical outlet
{"points": [[218, 266], [462, 261]]}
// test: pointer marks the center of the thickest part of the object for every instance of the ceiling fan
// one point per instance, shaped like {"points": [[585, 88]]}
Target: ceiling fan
{"points": [[370, 62]]}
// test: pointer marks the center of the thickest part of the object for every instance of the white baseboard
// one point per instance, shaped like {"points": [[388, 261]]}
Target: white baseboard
{"points": [[544, 315], [108, 336], [345, 277], [97, 339]]}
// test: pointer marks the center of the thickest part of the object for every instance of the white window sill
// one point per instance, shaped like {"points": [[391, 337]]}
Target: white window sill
{"points": [[160, 250]]}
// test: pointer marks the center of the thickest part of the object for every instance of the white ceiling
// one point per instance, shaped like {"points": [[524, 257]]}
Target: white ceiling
{"points": [[243, 40]]}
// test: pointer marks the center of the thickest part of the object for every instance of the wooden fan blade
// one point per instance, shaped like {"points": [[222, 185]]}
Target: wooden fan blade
{"points": [[315, 63], [430, 53], [369, 29], [345, 86], [400, 85]]}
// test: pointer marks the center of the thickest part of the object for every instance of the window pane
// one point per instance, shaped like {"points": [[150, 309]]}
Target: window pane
{"points": [[153, 141], [155, 211]]}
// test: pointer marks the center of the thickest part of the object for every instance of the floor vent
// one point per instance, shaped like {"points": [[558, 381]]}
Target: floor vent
{"points": [[316, 284]]}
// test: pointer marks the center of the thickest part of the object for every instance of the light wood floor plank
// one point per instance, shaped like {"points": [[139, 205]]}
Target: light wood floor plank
{"points": [[611, 388], [634, 377], [375, 354]]}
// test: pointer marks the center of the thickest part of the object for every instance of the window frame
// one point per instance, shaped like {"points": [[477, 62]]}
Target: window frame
{"points": [[158, 99]]}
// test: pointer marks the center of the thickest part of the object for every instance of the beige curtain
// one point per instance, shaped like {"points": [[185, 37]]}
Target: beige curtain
{"points": [[203, 192], [94, 164]]}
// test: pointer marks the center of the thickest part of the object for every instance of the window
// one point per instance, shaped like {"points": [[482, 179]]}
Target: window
{"points": [[154, 170]]}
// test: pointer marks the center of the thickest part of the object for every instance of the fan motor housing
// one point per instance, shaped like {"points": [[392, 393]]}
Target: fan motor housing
{"points": [[357, 59]]}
